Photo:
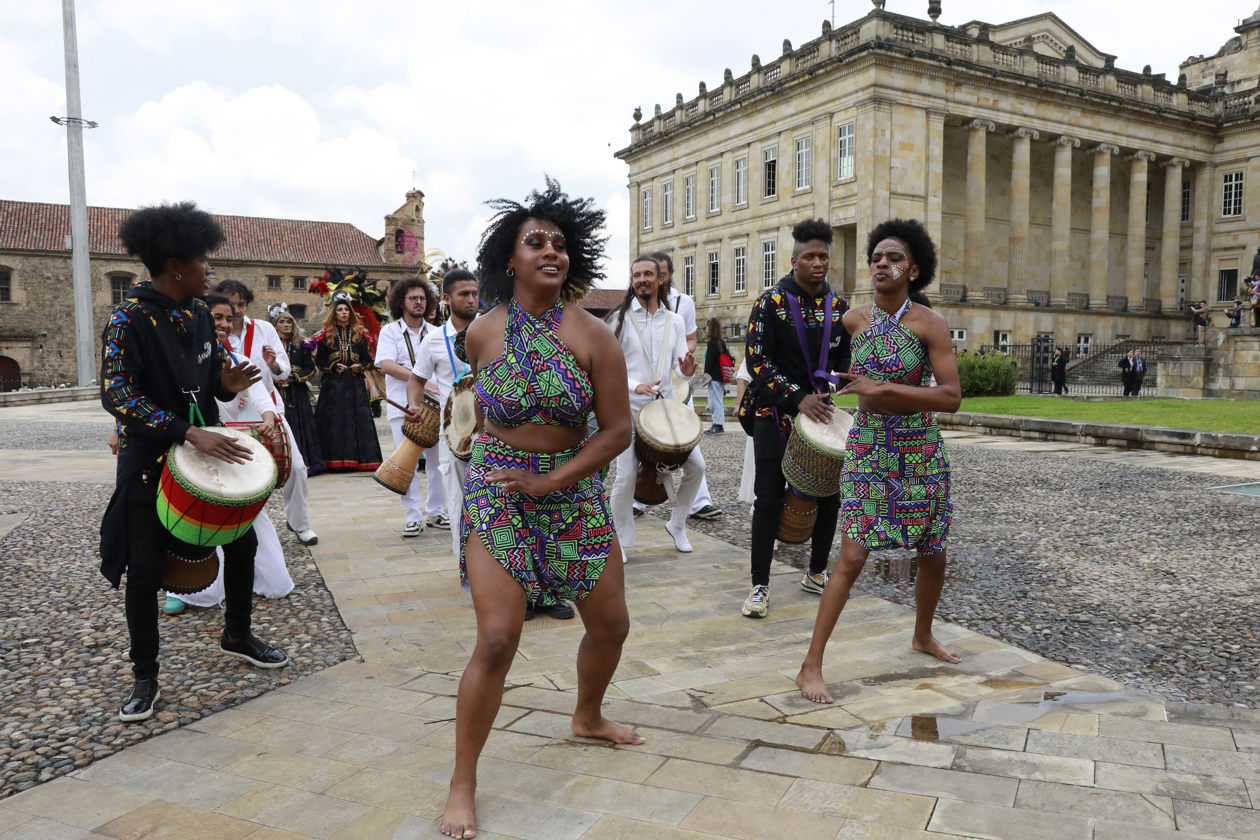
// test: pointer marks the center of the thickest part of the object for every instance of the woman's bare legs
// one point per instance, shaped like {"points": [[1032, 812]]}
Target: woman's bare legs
{"points": [[848, 566], [499, 602], [607, 624], [927, 592]]}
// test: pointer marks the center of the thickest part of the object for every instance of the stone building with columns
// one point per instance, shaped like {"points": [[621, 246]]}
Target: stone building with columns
{"points": [[1068, 197]]}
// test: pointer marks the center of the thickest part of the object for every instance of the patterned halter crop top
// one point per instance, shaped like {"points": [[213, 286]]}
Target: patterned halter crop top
{"points": [[889, 352], [537, 379]]}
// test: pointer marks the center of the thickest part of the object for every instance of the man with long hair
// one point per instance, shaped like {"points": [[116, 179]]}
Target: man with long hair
{"points": [[397, 349]]}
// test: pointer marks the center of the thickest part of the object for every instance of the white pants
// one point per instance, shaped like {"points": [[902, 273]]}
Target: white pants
{"points": [[623, 493], [436, 502], [294, 490], [703, 499], [453, 485], [746, 494], [271, 576]]}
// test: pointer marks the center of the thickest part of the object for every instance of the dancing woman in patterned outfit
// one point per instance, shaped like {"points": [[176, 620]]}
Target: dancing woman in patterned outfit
{"points": [[895, 486], [534, 520]]}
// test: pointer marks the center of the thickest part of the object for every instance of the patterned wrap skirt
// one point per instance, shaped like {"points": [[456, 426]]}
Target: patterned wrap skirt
{"points": [[895, 484], [553, 545]]}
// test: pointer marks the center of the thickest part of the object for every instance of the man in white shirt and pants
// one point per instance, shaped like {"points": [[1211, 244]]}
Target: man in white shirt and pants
{"points": [[397, 349], [258, 341], [654, 343], [437, 363]]}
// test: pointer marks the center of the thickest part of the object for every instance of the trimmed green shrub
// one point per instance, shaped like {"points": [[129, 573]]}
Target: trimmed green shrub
{"points": [[987, 374]]}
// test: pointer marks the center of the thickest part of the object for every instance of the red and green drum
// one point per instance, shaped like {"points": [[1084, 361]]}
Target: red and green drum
{"points": [[204, 501]]}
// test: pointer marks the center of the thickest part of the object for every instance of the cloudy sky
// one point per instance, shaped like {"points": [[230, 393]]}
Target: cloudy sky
{"points": [[322, 109]]}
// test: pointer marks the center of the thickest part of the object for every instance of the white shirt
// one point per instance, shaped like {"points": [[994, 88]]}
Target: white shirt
{"points": [[392, 345], [643, 364], [743, 373], [684, 306], [263, 333], [257, 400], [434, 361]]}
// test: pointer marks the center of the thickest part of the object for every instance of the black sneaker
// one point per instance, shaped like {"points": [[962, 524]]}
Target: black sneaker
{"points": [[715, 430], [529, 610], [561, 610], [139, 705], [707, 512], [254, 651], [638, 512]]}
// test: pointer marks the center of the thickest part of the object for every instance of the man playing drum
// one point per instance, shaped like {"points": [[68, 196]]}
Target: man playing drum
{"points": [[654, 343], [796, 342], [397, 351], [437, 363], [258, 342], [161, 372]]}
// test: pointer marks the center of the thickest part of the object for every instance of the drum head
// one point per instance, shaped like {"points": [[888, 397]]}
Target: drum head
{"points": [[682, 387], [829, 437], [459, 422], [668, 425], [221, 479]]}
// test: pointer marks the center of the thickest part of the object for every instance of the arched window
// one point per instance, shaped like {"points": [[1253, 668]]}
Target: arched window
{"points": [[399, 244]]}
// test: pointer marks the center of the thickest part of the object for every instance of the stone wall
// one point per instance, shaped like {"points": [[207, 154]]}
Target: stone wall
{"points": [[1226, 367]]}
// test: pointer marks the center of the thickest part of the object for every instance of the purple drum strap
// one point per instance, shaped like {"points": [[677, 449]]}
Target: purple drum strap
{"points": [[798, 320]]}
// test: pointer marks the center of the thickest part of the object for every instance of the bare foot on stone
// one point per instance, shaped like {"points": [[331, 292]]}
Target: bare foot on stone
{"points": [[606, 729], [459, 818], [930, 645], [810, 682]]}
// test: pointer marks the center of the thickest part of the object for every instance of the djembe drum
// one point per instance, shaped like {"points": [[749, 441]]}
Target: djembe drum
{"points": [[204, 501], [459, 420], [278, 447], [665, 432], [812, 465], [396, 472]]}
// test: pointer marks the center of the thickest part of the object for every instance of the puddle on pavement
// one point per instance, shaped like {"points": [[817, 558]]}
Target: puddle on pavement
{"points": [[924, 728], [1019, 712], [1252, 489]]}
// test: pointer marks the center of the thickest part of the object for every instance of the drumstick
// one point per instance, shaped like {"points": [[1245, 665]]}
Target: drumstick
{"points": [[396, 405]]}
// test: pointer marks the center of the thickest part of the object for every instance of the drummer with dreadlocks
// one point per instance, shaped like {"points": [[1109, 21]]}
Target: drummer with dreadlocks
{"points": [[162, 370]]}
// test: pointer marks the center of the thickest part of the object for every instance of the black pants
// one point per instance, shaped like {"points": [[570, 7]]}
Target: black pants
{"points": [[1127, 381], [148, 541], [1136, 387], [768, 488]]}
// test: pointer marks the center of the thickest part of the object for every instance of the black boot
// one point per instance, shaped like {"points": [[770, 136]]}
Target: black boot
{"points": [[139, 705]]}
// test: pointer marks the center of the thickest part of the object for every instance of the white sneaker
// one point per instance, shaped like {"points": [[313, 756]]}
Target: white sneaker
{"points": [[758, 602], [305, 536], [413, 529], [815, 583], [441, 522], [680, 539]]}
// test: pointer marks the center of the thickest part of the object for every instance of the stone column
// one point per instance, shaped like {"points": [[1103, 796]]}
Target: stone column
{"points": [[977, 157], [935, 172], [1100, 224], [874, 143], [1205, 211], [1061, 220], [1170, 257], [1135, 246], [1017, 249]]}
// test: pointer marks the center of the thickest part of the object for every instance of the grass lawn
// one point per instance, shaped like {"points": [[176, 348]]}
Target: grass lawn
{"points": [[1241, 416]]}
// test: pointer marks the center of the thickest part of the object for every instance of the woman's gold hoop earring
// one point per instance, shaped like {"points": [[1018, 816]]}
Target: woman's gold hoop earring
{"points": [[511, 272]]}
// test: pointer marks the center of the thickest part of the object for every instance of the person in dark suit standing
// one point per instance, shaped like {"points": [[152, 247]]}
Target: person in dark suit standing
{"points": [[1126, 372], [1137, 372], [1058, 370]]}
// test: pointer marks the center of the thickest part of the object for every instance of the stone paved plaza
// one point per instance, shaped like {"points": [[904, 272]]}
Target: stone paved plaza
{"points": [[1005, 745]]}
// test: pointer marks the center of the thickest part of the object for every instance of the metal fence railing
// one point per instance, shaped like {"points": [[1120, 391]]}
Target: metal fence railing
{"points": [[1091, 371]]}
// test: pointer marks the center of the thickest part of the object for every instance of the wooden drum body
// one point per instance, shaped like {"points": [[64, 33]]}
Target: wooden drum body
{"points": [[279, 448], [665, 432], [426, 431], [396, 472], [203, 501], [188, 568], [814, 458], [796, 520], [459, 420]]}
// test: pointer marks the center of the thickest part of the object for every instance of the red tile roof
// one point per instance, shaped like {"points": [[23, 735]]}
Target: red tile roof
{"points": [[604, 300], [32, 226]]}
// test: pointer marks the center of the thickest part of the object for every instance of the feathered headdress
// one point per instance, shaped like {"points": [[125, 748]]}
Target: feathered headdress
{"points": [[364, 298]]}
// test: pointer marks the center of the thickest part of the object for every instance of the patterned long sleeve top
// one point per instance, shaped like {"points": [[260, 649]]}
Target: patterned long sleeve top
{"points": [[780, 371]]}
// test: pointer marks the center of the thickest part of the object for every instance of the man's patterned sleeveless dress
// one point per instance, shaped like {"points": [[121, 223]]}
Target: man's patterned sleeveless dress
{"points": [[895, 486]]}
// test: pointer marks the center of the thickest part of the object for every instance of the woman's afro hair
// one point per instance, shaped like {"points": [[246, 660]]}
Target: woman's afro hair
{"points": [[811, 229], [915, 235], [156, 234], [578, 219]]}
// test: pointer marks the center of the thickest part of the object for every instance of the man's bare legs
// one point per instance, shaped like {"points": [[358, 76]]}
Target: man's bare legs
{"points": [[499, 602], [848, 566], [607, 623], [927, 592]]}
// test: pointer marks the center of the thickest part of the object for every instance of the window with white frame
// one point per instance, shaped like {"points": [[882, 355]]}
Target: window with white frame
{"points": [[845, 148], [769, 263], [1232, 194], [802, 163], [1185, 201], [770, 172], [1083, 340], [689, 197], [1001, 339], [667, 203], [715, 188], [1226, 284], [689, 276], [647, 209], [714, 283], [741, 268], [957, 335], [741, 181]]}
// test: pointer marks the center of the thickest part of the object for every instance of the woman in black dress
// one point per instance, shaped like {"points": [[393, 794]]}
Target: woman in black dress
{"points": [[343, 415], [295, 391], [1058, 370]]}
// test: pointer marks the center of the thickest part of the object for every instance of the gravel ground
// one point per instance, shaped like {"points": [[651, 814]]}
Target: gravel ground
{"points": [[1140, 574], [54, 434], [63, 639]]}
